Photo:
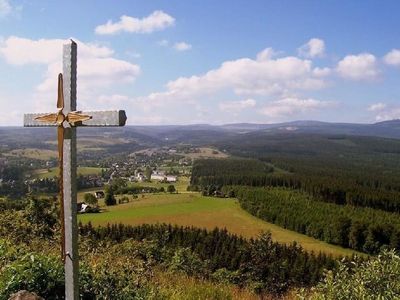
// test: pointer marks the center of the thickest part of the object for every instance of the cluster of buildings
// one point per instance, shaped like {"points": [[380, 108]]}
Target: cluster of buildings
{"points": [[160, 176], [155, 175]]}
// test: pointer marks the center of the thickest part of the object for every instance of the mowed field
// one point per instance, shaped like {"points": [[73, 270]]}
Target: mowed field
{"points": [[34, 153], [180, 185], [193, 209], [52, 172], [204, 152]]}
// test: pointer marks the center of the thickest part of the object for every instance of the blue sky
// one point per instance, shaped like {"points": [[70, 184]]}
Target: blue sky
{"points": [[185, 62]]}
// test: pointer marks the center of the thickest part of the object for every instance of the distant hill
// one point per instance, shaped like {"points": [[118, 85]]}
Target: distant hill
{"points": [[389, 129], [196, 134]]}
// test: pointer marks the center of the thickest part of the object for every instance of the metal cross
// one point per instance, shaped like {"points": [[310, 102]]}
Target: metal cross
{"points": [[67, 118]]}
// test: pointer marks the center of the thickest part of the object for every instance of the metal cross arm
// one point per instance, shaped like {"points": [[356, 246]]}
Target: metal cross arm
{"points": [[67, 119], [98, 119]]}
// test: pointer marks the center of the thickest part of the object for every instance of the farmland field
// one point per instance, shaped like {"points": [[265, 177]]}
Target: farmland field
{"points": [[192, 209], [45, 173], [180, 185], [34, 153], [205, 152]]}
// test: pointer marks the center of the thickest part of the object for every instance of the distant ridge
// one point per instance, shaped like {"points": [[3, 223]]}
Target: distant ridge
{"points": [[208, 134], [389, 129]]}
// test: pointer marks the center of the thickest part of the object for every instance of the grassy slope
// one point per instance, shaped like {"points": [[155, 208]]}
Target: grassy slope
{"points": [[192, 209]]}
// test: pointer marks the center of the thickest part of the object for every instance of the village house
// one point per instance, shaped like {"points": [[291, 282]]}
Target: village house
{"points": [[50, 164], [158, 177], [99, 194], [82, 207], [170, 178], [140, 177]]}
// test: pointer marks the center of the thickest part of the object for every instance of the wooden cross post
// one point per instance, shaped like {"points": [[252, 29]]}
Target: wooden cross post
{"points": [[66, 120]]}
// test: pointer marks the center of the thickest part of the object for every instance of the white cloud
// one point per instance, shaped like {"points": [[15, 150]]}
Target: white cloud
{"points": [[182, 46], [358, 67], [237, 106], [384, 112], [287, 107], [377, 106], [322, 72], [94, 73], [253, 77], [22, 51], [97, 68], [156, 21], [392, 58], [266, 54], [313, 48], [386, 115], [5, 8], [264, 76]]}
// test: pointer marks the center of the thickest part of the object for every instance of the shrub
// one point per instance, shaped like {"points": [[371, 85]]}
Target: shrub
{"points": [[184, 260], [110, 199], [90, 199], [36, 273], [376, 278], [126, 279], [171, 188], [121, 277]]}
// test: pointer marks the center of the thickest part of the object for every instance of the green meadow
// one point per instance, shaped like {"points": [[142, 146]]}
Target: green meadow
{"points": [[52, 172], [180, 185], [193, 209]]}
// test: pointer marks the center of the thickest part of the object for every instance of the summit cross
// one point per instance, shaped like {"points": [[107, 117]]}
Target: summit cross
{"points": [[66, 119]]}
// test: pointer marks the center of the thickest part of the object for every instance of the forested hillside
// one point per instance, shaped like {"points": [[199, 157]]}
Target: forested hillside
{"points": [[353, 209], [360, 171], [362, 229]]}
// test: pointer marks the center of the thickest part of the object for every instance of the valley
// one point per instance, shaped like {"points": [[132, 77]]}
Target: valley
{"points": [[330, 191]]}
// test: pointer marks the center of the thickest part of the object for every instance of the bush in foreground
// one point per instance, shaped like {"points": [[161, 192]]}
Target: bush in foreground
{"points": [[376, 278], [122, 277]]}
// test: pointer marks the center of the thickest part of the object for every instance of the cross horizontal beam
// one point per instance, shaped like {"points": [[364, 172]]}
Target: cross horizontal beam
{"points": [[99, 119]]}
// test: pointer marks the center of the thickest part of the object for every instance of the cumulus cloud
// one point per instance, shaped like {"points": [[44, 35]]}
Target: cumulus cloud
{"points": [[389, 114], [358, 67], [22, 51], [156, 21], [94, 73], [259, 78], [237, 106], [253, 77], [322, 72], [266, 54], [384, 112], [5, 8], [182, 46], [313, 48], [97, 67], [377, 106], [392, 58], [287, 107]]}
